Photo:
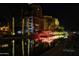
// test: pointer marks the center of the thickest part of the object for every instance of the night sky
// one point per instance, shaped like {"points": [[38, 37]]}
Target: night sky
{"points": [[68, 14]]}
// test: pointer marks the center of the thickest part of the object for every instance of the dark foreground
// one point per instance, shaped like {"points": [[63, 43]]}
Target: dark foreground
{"points": [[62, 47]]}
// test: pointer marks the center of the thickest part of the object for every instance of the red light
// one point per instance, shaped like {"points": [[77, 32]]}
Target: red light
{"points": [[47, 36], [44, 37]]}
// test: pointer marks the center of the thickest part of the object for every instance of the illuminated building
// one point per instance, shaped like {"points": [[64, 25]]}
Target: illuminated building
{"points": [[46, 23], [49, 23], [43, 23], [5, 29], [37, 17], [29, 24], [46, 27], [38, 24]]}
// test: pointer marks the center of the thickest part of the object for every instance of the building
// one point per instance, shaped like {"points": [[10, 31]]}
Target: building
{"points": [[5, 29], [43, 23]]}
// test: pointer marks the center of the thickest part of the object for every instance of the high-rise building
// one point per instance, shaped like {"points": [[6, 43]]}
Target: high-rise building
{"points": [[37, 17], [43, 22], [37, 10]]}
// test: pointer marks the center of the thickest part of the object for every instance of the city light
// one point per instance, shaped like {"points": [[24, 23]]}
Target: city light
{"points": [[19, 32], [4, 45], [56, 22], [23, 37], [51, 39], [49, 36], [31, 31], [13, 26]]}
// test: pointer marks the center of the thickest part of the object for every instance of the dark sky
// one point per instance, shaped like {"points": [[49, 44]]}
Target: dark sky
{"points": [[68, 14]]}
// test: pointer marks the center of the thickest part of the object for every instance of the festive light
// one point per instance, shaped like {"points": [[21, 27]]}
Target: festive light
{"points": [[49, 36]]}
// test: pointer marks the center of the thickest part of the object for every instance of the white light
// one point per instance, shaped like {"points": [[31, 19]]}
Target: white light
{"points": [[19, 32], [13, 33], [5, 45], [74, 32]]}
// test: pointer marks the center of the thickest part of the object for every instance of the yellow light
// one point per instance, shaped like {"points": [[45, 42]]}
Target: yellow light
{"points": [[13, 33], [28, 26], [59, 33], [13, 27], [22, 26], [1, 28], [23, 47], [23, 39], [56, 22]]}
